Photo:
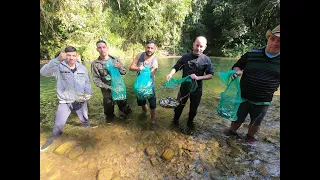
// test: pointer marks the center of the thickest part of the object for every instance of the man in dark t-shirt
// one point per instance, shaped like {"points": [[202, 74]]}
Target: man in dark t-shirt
{"points": [[199, 67]]}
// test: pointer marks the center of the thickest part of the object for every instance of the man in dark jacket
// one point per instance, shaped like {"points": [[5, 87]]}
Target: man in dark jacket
{"points": [[199, 67], [101, 78]]}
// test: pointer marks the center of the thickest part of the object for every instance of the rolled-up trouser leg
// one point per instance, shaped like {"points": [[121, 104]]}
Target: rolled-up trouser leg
{"points": [[62, 115], [81, 109], [124, 106]]}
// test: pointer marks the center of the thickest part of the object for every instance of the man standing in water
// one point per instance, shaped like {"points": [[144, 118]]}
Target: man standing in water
{"points": [[142, 59], [73, 90], [101, 78], [260, 71], [199, 67]]}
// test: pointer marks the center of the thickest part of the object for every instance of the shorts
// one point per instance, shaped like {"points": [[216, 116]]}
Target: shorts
{"points": [[256, 112], [152, 101]]}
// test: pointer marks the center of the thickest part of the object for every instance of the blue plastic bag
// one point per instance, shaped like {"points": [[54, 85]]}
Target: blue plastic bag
{"points": [[118, 88], [143, 84], [230, 98]]}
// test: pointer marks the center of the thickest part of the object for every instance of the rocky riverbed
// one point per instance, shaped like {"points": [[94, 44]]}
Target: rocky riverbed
{"points": [[128, 149]]}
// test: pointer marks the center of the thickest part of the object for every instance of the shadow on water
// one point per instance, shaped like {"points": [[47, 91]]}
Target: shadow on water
{"points": [[128, 149]]}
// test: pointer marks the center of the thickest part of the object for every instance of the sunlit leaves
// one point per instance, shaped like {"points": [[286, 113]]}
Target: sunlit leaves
{"points": [[127, 24]]}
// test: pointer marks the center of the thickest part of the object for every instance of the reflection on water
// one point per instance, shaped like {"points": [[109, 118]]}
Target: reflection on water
{"points": [[127, 149]]}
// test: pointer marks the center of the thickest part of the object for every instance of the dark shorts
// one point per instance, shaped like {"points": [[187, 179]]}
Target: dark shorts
{"points": [[152, 101], [256, 112]]}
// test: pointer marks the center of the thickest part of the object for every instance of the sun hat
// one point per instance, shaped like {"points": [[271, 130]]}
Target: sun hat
{"points": [[275, 31]]}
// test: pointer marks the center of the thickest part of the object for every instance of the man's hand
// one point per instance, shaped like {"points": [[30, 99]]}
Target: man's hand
{"points": [[193, 76], [238, 73], [117, 65], [141, 68], [62, 56], [170, 74]]}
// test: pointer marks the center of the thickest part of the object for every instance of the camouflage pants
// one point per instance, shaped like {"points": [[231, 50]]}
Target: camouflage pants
{"points": [[108, 104]]}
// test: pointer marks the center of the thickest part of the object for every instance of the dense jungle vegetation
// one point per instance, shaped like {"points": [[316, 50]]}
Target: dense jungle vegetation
{"points": [[231, 26]]}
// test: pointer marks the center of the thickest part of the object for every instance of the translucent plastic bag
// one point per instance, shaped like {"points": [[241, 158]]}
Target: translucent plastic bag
{"points": [[170, 102], [143, 84], [173, 83], [118, 88], [230, 98]]}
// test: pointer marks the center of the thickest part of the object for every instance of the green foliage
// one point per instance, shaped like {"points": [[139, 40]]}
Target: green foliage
{"points": [[231, 26], [122, 24]]}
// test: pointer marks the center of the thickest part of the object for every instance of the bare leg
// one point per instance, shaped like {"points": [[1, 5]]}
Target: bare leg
{"points": [[235, 126], [144, 108], [153, 116], [253, 130]]}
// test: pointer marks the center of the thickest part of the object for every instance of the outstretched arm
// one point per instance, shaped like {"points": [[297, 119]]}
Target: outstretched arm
{"points": [[240, 64], [169, 76], [178, 66], [52, 68]]}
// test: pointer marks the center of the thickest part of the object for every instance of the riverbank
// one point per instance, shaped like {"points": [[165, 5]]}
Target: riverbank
{"points": [[128, 150]]}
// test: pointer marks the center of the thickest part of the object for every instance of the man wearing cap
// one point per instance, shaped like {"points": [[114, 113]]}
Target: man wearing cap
{"points": [[259, 70]]}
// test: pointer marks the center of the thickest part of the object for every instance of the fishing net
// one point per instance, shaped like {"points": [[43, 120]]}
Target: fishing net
{"points": [[170, 102], [143, 84], [230, 98], [118, 88], [173, 83]]}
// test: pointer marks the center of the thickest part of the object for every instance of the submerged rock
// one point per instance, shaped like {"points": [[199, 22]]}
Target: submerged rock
{"points": [[168, 154], [75, 152], [105, 174], [65, 146], [150, 151]]}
